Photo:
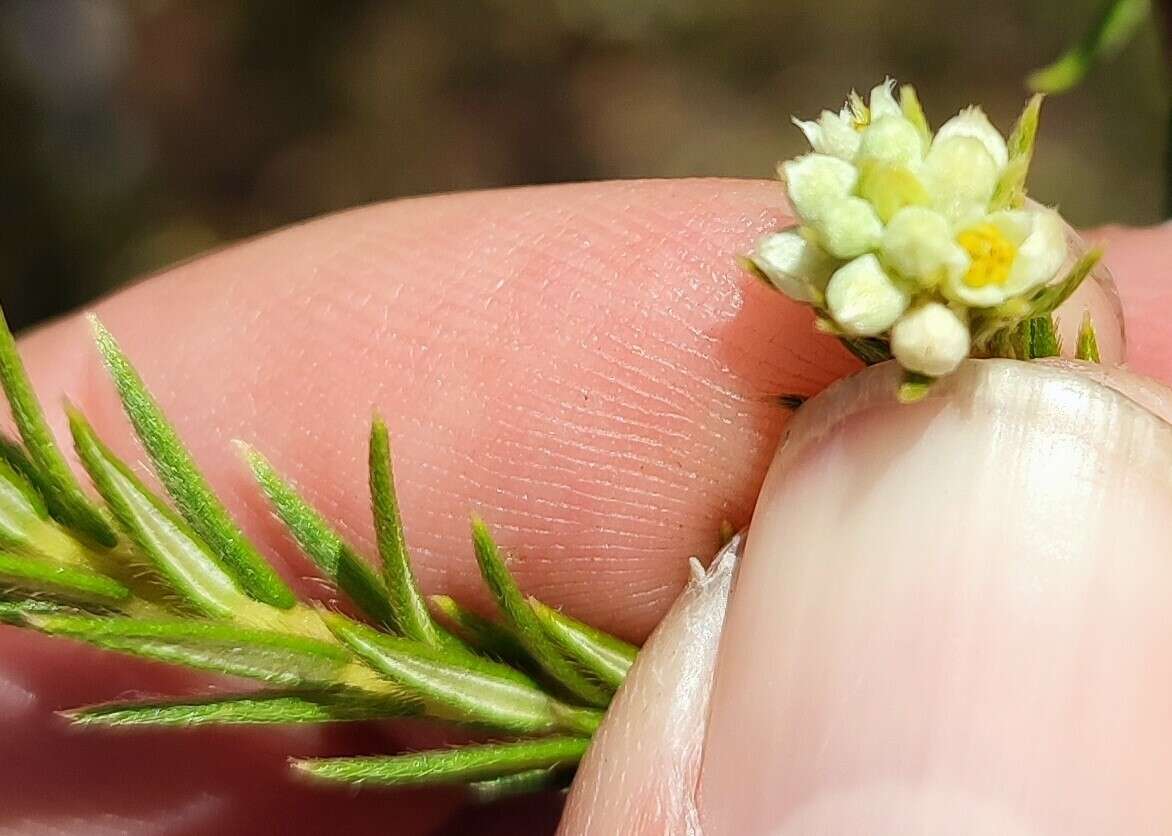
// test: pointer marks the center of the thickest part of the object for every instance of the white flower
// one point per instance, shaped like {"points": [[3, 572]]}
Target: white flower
{"points": [[833, 134], [891, 139], [796, 267], [863, 299], [919, 244], [882, 101], [817, 181], [1010, 253], [972, 122], [931, 340], [962, 176], [849, 227]]}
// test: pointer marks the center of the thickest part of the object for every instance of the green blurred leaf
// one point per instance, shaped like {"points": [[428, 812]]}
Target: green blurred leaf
{"points": [[272, 657], [325, 547], [331, 705], [486, 637], [62, 493], [203, 511], [1117, 22], [604, 656], [524, 623], [175, 551], [38, 577], [469, 763], [459, 687], [1088, 343], [410, 608]]}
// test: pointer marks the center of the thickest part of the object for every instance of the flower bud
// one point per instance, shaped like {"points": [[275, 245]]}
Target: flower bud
{"points": [[850, 227], [863, 299], [930, 340], [816, 181], [891, 139], [963, 176], [833, 134], [795, 266], [918, 244], [972, 122]]}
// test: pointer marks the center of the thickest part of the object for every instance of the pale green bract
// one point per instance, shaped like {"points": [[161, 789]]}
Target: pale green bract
{"points": [[922, 244]]}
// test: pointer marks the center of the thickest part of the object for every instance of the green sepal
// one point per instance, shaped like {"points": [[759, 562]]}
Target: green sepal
{"points": [[604, 656], [913, 111], [56, 580], [1011, 190], [176, 552], [460, 687], [1038, 338], [275, 658], [1117, 22], [327, 705], [332, 555], [914, 387], [1088, 343], [450, 766], [54, 479], [410, 607], [482, 635], [194, 498], [524, 624]]}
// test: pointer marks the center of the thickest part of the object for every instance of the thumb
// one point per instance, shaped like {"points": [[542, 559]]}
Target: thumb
{"points": [[949, 617]]}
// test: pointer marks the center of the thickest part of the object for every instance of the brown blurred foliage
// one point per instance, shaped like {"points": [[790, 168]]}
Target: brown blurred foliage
{"points": [[137, 133]]}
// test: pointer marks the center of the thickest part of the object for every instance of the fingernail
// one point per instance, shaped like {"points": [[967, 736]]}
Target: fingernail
{"points": [[952, 617], [640, 773]]}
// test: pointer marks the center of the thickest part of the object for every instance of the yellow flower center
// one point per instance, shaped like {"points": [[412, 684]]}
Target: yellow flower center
{"points": [[991, 252]]}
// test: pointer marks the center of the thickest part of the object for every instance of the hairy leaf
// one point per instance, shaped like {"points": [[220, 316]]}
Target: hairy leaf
{"points": [[486, 637], [206, 515], [325, 547], [411, 613], [469, 763], [1088, 343], [62, 493], [163, 536], [269, 656], [33, 577], [524, 623], [331, 705], [604, 656], [459, 687]]}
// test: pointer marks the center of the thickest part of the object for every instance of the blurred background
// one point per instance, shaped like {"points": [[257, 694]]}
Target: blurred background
{"points": [[136, 133]]}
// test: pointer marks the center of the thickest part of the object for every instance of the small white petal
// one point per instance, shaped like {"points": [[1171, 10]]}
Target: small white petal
{"points": [[833, 134], [918, 244], [931, 340], [796, 267], [882, 102], [849, 227], [891, 139], [962, 176], [816, 181], [973, 122], [863, 299], [1015, 224], [1041, 254]]}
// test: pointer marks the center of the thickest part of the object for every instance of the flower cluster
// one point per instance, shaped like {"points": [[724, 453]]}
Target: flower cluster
{"points": [[906, 235]]}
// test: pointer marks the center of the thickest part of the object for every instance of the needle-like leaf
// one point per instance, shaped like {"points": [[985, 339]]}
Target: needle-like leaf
{"points": [[62, 493], [604, 656], [486, 637], [469, 763], [336, 558], [524, 623], [520, 783], [206, 515], [162, 535], [1011, 191], [269, 656], [59, 581], [331, 705], [460, 687], [411, 613]]}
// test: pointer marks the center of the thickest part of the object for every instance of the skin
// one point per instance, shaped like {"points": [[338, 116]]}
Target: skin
{"points": [[584, 366]]}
